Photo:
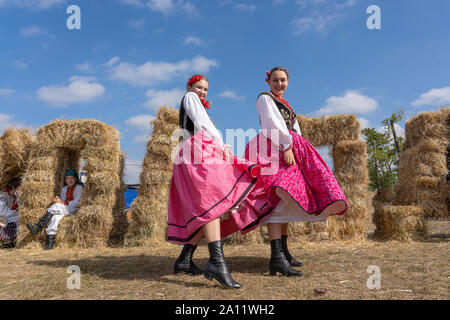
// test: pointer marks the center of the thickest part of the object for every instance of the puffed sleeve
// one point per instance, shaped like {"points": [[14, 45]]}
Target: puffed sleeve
{"points": [[196, 111], [62, 195], [271, 119], [73, 205], [297, 127]]}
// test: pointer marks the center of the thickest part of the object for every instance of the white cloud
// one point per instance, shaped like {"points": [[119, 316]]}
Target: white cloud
{"points": [[317, 21], [351, 102], [141, 122], [151, 73], [399, 130], [31, 4], [433, 97], [32, 31], [7, 121], [164, 6], [85, 67], [193, 40], [159, 98], [137, 24], [322, 15], [246, 7], [80, 90], [6, 92], [231, 94], [111, 62], [21, 65], [364, 123]]}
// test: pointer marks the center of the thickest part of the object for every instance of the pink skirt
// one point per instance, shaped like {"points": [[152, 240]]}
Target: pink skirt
{"points": [[205, 187], [307, 191]]}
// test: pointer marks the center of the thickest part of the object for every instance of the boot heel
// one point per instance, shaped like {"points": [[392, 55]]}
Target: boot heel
{"points": [[273, 273], [208, 276]]}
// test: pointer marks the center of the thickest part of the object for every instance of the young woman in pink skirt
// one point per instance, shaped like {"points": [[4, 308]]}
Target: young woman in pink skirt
{"points": [[212, 192], [299, 184]]}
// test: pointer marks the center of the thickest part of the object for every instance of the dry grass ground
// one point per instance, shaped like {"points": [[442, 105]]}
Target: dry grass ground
{"points": [[408, 271], [416, 270]]}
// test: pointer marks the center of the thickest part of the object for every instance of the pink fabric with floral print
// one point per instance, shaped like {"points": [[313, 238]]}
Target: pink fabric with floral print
{"points": [[205, 187], [310, 182]]}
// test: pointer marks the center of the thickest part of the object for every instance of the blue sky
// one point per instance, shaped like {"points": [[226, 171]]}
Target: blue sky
{"points": [[132, 56]]}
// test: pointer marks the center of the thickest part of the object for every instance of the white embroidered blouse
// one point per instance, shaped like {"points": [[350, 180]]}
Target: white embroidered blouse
{"points": [[271, 119]]}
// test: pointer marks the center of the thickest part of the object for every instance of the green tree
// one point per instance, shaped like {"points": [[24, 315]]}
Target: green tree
{"points": [[389, 124], [383, 150]]}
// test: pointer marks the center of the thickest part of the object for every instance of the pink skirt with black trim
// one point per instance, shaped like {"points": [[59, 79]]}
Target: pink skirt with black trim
{"points": [[204, 187], [307, 191]]}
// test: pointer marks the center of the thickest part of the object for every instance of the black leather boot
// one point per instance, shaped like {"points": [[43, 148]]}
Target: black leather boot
{"points": [[217, 267], [289, 258], [49, 242], [184, 263], [34, 229], [278, 261]]}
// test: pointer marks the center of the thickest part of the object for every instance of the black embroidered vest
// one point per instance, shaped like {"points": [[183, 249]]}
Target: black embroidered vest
{"points": [[184, 120], [287, 113]]}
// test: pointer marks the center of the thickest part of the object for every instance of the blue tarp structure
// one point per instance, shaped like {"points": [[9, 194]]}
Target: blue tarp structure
{"points": [[130, 194]]}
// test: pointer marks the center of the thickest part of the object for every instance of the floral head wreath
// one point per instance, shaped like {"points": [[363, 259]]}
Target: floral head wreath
{"points": [[268, 75], [193, 80]]}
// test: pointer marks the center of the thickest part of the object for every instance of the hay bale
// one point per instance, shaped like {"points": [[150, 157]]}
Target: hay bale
{"points": [[15, 146], [404, 223], [62, 145], [148, 223], [432, 125], [329, 130], [120, 221], [424, 163]]}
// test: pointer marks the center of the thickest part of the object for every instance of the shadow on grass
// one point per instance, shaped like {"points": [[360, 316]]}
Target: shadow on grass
{"points": [[147, 267]]}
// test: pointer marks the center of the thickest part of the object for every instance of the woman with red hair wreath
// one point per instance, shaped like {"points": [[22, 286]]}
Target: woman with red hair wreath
{"points": [[212, 192], [299, 184]]}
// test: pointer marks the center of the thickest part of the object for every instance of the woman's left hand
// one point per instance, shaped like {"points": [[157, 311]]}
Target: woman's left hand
{"points": [[289, 157], [56, 199], [227, 154]]}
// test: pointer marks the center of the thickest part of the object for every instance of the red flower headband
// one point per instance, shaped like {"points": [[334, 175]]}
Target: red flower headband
{"points": [[268, 75], [193, 80]]}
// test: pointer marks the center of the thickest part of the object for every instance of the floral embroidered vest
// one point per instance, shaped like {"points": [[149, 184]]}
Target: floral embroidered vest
{"points": [[287, 113]]}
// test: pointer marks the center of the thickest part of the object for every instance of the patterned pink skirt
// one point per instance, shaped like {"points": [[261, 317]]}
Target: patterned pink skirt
{"points": [[204, 187], [307, 191]]}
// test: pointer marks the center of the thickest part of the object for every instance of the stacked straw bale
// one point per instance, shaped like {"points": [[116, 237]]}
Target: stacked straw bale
{"points": [[15, 147], [350, 169], [62, 145], [422, 191], [148, 222], [423, 163]]}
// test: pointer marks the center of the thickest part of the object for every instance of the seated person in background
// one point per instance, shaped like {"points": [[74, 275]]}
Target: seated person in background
{"points": [[9, 218], [66, 204]]}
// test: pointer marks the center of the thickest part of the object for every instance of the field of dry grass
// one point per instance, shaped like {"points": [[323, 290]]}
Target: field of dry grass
{"points": [[418, 270]]}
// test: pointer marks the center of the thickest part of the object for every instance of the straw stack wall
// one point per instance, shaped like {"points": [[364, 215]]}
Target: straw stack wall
{"points": [[62, 145], [15, 147]]}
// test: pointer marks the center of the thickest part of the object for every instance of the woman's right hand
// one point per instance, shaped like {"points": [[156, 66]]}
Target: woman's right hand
{"points": [[289, 158]]}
